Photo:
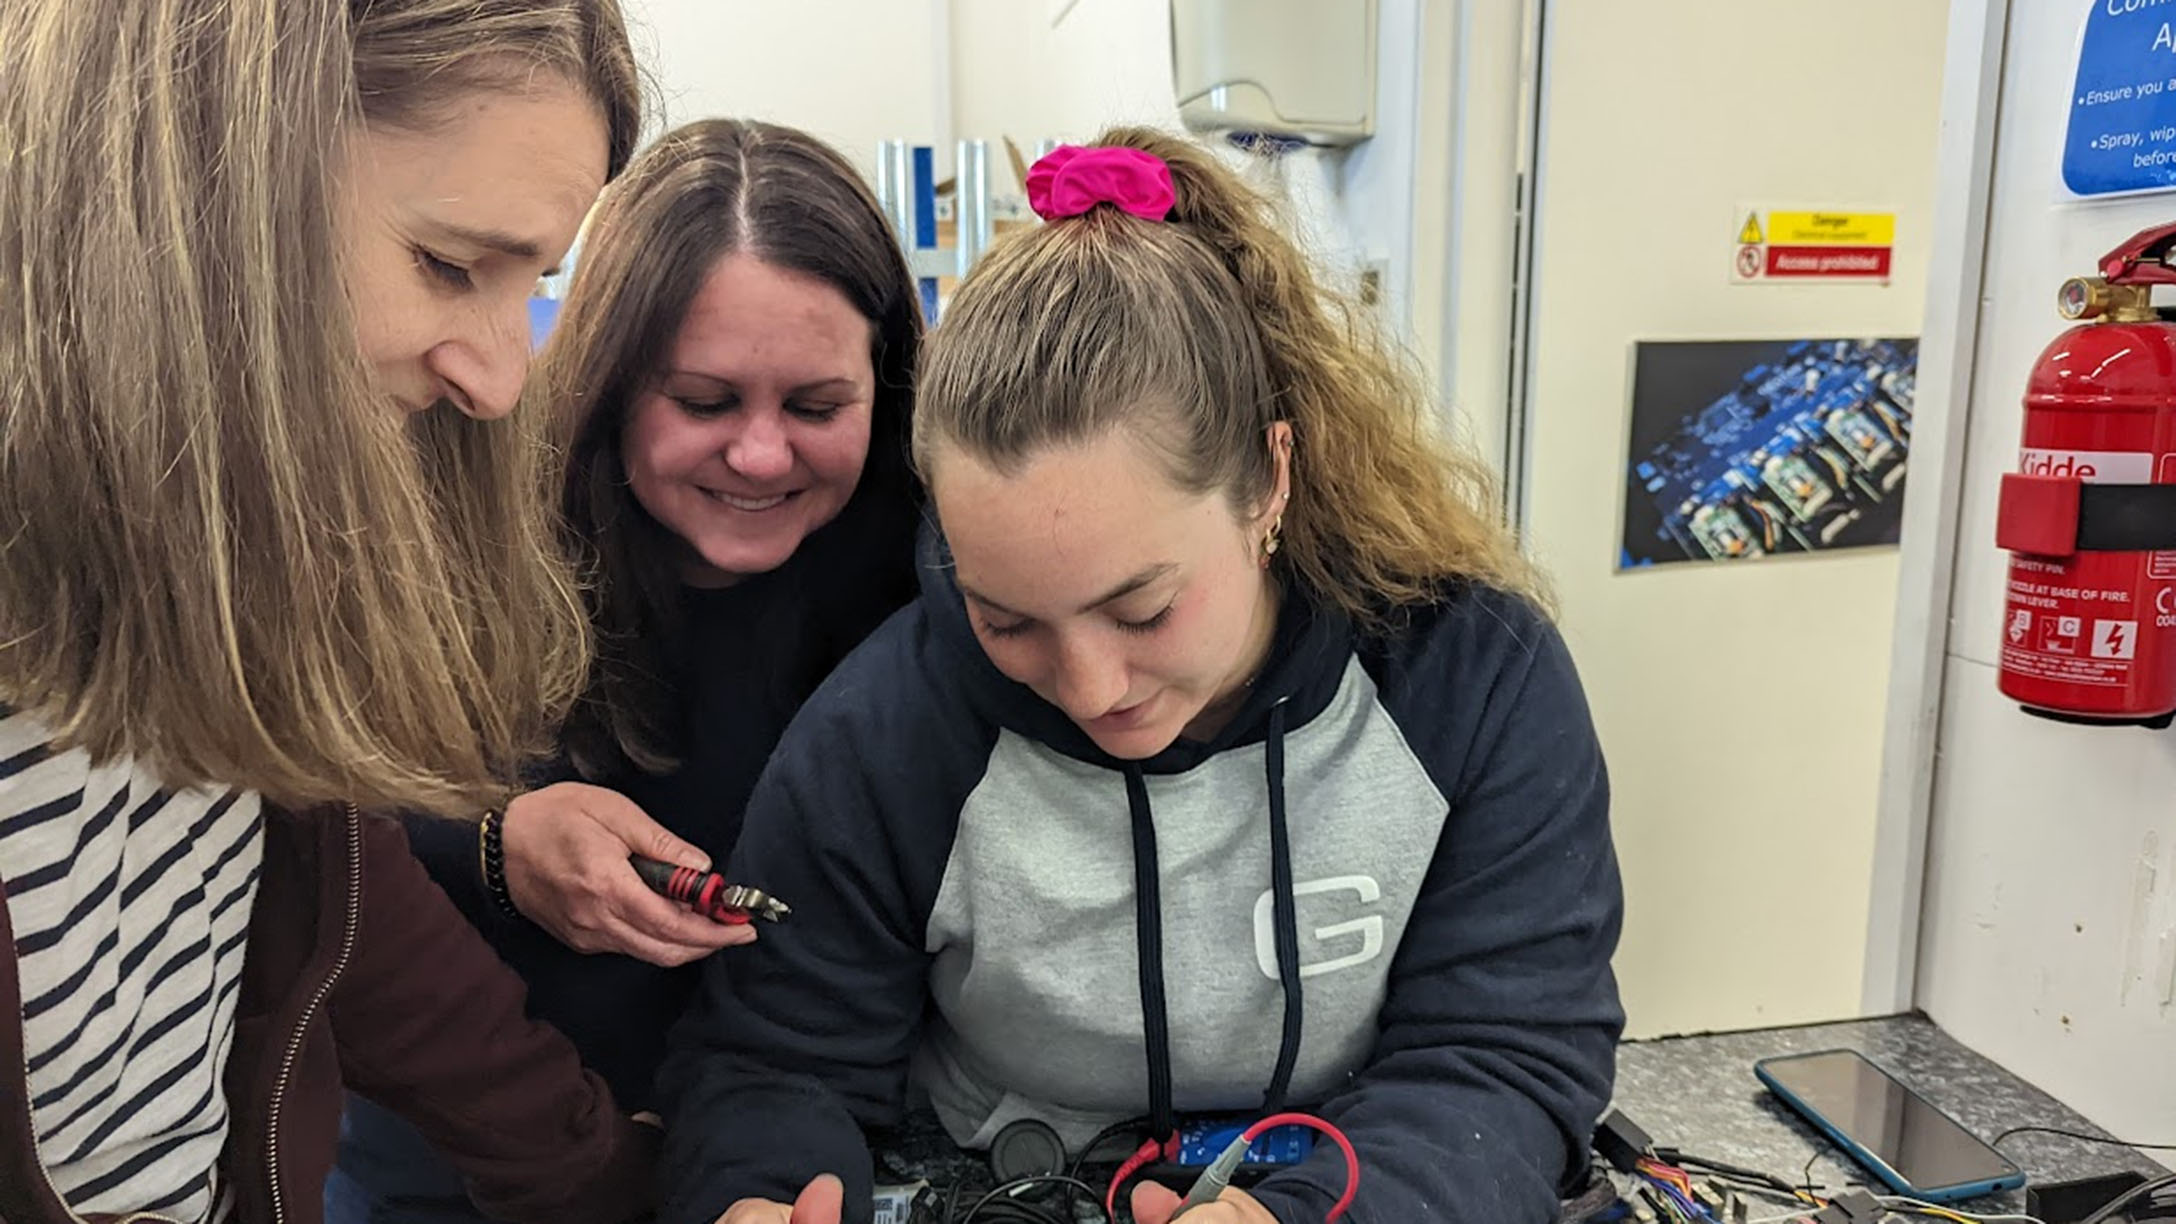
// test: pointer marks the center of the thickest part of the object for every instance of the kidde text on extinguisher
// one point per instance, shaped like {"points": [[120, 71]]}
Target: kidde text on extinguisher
{"points": [[2090, 515]]}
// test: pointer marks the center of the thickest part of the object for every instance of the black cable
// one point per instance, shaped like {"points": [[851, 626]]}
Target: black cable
{"points": [[2081, 1137], [1770, 1180], [1807, 1176], [2144, 1190], [1137, 1124], [1761, 1190], [1024, 1211], [1005, 1211]]}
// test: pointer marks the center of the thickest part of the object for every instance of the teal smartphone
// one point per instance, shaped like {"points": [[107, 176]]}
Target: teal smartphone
{"points": [[1910, 1146]]}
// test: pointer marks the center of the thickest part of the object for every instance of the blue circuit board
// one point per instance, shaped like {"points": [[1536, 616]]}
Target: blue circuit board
{"points": [[1201, 1142]]}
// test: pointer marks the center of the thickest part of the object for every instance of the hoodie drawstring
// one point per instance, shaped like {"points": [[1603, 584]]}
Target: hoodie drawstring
{"points": [[1149, 936], [1286, 909]]}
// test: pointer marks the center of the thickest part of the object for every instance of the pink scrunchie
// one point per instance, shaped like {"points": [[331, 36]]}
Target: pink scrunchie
{"points": [[1070, 180]]}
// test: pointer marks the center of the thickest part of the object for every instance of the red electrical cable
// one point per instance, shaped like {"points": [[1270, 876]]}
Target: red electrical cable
{"points": [[1167, 1149], [1142, 1155], [1352, 1158]]}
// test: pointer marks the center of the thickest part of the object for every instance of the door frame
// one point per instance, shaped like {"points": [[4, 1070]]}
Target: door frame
{"points": [[1926, 577]]}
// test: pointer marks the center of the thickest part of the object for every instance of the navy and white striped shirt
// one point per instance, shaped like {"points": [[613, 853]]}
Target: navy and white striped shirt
{"points": [[130, 906]]}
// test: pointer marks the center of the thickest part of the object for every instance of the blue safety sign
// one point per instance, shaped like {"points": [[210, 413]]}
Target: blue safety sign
{"points": [[2122, 132]]}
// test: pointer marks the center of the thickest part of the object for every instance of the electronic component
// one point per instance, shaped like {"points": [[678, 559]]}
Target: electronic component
{"points": [[1797, 484], [707, 893], [895, 1204], [1861, 439], [1219, 1173], [2068, 1202], [1026, 1148], [1856, 1207], [1202, 1141], [1620, 1141], [1723, 532]]}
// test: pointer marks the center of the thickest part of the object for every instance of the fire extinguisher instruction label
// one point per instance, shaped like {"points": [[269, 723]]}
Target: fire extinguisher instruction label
{"points": [[2059, 629], [2094, 672]]}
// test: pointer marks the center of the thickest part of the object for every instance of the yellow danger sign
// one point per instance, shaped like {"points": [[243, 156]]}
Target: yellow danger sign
{"points": [[1831, 228], [1797, 245]]}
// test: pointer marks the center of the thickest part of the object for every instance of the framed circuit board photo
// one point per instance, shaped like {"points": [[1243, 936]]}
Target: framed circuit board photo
{"points": [[1740, 449]]}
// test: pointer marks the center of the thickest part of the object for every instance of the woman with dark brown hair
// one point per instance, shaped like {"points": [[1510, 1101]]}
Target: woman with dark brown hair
{"points": [[732, 376], [272, 555]]}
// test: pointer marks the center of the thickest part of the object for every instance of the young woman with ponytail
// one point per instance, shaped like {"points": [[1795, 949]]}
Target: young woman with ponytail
{"points": [[1228, 763]]}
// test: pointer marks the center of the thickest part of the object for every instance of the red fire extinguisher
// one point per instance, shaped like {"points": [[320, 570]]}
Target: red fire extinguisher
{"points": [[2089, 631]]}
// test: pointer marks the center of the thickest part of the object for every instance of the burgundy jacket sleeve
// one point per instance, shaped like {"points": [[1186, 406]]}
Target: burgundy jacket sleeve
{"points": [[430, 1024]]}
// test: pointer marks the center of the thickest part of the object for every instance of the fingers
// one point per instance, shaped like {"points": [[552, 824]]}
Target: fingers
{"points": [[1156, 1204], [756, 1211], [822, 1202], [1231, 1207], [1153, 1204], [641, 835], [629, 942], [643, 914]]}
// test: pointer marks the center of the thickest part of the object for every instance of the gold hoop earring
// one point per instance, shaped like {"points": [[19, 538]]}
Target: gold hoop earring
{"points": [[1271, 540]]}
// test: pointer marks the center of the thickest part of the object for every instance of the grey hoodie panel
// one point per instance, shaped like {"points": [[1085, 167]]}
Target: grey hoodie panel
{"points": [[1036, 974]]}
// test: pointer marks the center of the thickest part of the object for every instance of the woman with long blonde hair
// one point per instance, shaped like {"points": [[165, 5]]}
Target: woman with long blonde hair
{"points": [[1228, 764], [271, 555]]}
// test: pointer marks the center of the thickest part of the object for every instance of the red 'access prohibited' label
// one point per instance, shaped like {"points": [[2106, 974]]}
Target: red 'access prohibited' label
{"points": [[1847, 262]]}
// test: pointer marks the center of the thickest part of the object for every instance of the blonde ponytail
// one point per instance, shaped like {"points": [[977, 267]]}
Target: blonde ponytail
{"points": [[1214, 322]]}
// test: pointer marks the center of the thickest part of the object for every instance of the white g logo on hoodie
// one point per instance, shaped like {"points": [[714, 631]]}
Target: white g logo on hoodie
{"points": [[1368, 927]]}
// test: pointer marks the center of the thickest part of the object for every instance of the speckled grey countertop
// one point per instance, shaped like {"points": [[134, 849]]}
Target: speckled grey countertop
{"points": [[1699, 1094]]}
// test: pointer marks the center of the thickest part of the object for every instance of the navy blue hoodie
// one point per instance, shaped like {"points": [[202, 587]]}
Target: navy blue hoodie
{"points": [[1386, 892]]}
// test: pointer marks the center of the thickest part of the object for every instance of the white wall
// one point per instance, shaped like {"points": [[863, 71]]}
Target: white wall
{"points": [[852, 71], [1017, 74], [934, 71], [1376, 179], [1740, 706], [2049, 936]]}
